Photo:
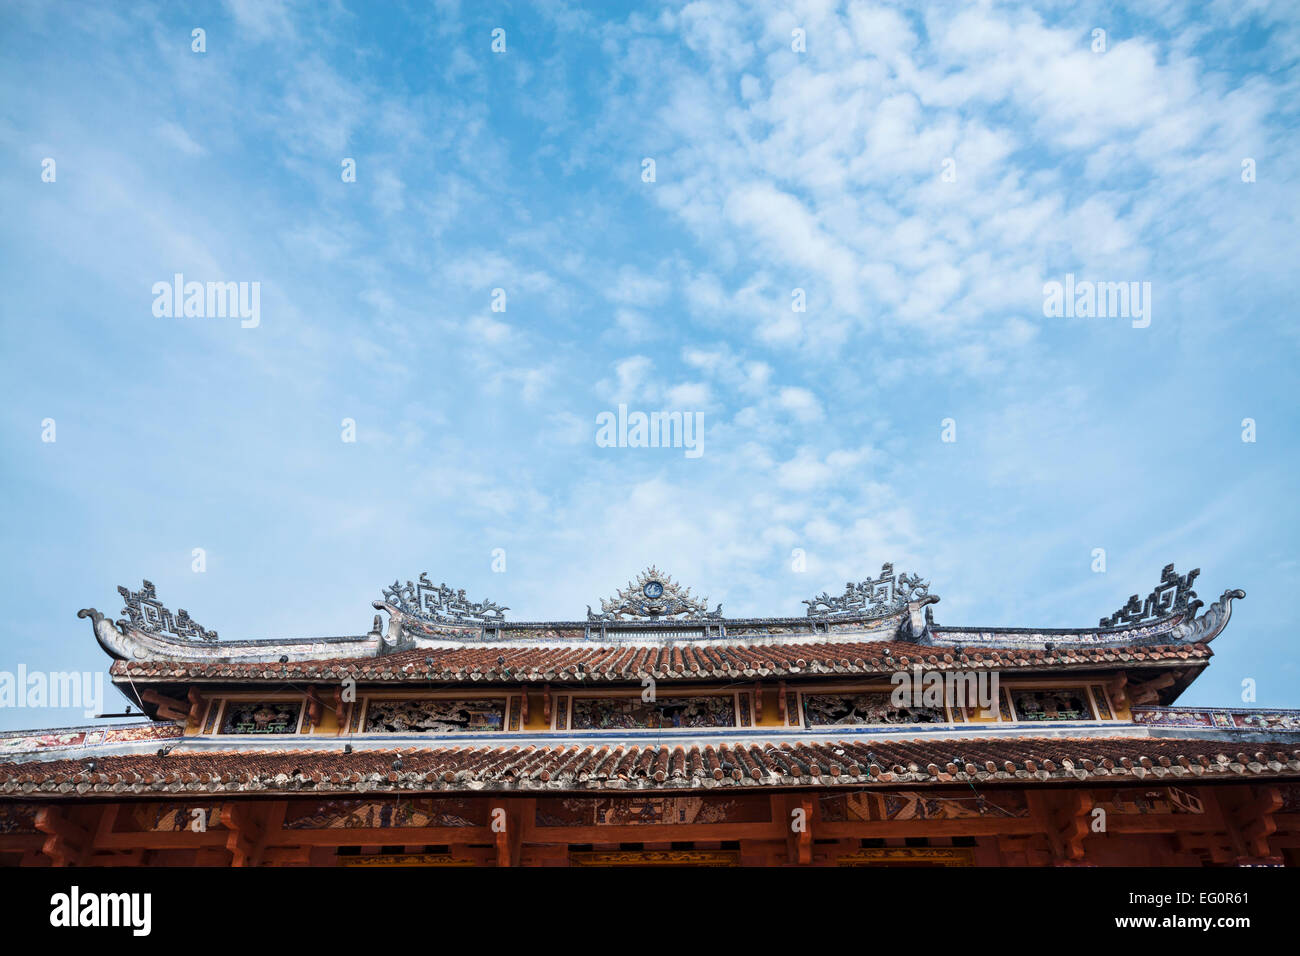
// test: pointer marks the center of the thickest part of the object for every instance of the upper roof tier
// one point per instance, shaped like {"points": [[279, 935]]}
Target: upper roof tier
{"points": [[655, 611]]}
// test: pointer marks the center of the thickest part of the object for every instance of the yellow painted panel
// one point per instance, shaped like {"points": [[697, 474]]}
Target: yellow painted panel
{"points": [[536, 716], [329, 720]]}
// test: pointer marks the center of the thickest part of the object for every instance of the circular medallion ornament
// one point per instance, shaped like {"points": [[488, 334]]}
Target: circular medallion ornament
{"points": [[653, 595]]}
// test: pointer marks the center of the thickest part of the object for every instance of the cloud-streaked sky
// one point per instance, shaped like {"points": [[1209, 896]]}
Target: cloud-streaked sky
{"points": [[775, 170]]}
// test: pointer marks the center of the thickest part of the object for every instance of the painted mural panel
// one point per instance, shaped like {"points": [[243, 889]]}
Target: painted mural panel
{"points": [[1061, 703], [210, 718], [871, 707], [416, 812], [766, 629], [38, 741], [1004, 706], [30, 741], [543, 634], [261, 717], [430, 716], [632, 712], [651, 809], [170, 817], [1290, 799], [914, 805], [1181, 718], [1103, 706], [1267, 721], [17, 818], [1157, 800]]}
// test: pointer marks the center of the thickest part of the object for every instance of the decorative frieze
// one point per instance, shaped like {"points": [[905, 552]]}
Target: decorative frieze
{"points": [[868, 707], [651, 809], [386, 814], [145, 612], [434, 716], [1061, 703], [873, 597], [1173, 594], [425, 601], [1227, 718], [261, 716], [625, 713]]}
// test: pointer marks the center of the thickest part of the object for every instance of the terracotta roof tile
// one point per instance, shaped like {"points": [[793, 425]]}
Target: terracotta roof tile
{"points": [[592, 767], [686, 661]]}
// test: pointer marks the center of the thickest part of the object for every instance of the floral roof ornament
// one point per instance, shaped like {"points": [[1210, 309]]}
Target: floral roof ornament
{"points": [[874, 597], [145, 612], [440, 604], [651, 596]]}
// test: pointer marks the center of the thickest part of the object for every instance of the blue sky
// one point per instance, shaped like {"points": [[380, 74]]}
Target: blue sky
{"points": [[775, 170]]}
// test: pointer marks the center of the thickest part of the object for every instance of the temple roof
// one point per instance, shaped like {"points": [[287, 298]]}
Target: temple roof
{"points": [[590, 665], [1021, 760], [655, 623]]}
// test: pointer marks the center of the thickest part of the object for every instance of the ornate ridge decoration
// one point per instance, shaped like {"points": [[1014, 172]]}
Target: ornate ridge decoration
{"points": [[1173, 594], [440, 604], [1208, 626], [877, 597], [146, 613], [652, 596]]}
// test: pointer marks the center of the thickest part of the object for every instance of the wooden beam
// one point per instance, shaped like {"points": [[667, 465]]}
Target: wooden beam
{"points": [[1064, 816], [288, 856], [250, 826], [1248, 814], [1149, 691], [168, 707], [508, 837], [795, 813], [185, 839], [65, 841]]}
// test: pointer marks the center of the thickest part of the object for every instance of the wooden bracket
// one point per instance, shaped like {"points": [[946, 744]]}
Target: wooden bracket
{"points": [[196, 706], [1149, 692], [343, 710], [1248, 816], [65, 842], [169, 708], [315, 710], [1065, 819]]}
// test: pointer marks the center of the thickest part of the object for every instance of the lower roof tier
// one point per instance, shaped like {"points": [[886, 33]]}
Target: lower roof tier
{"points": [[776, 763]]}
